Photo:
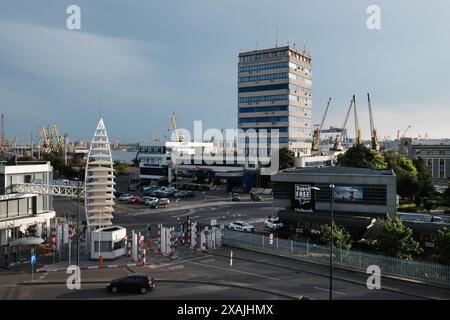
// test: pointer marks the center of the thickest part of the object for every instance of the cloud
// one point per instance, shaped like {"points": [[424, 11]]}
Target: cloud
{"points": [[78, 61]]}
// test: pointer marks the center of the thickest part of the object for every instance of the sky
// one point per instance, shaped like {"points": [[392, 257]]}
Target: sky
{"points": [[135, 62]]}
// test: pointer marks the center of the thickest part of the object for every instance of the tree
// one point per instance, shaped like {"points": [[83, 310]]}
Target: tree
{"points": [[424, 178], [427, 205], [395, 239], [443, 245], [286, 158], [341, 238], [360, 156], [406, 172], [120, 167]]}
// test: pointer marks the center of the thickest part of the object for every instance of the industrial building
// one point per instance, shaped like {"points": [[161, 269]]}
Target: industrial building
{"points": [[275, 92]]}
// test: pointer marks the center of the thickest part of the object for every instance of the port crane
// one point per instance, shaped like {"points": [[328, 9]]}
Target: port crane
{"points": [[358, 139], [338, 142], [52, 141], [405, 131], [173, 126], [373, 131], [318, 131]]}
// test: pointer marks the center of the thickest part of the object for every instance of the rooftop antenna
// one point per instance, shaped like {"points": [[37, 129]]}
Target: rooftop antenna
{"points": [[276, 39], [256, 45]]}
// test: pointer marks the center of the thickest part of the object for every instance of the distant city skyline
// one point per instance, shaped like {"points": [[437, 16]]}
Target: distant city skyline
{"points": [[137, 63]]}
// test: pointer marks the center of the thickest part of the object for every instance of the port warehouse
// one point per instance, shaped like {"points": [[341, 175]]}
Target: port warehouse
{"points": [[361, 197]]}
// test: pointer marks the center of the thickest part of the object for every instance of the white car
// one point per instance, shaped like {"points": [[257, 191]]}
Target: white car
{"points": [[125, 197], [153, 202], [273, 223], [241, 226]]}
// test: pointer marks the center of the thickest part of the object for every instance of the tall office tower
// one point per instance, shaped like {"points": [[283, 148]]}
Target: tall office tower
{"points": [[274, 92]]}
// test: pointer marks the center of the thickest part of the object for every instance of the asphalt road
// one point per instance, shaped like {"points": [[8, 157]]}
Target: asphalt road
{"points": [[196, 275]]}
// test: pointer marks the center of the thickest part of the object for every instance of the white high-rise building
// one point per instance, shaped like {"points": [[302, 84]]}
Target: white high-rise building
{"points": [[99, 180]]}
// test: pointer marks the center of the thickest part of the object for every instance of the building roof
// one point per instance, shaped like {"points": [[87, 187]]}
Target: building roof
{"points": [[339, 171], [433, 142]]}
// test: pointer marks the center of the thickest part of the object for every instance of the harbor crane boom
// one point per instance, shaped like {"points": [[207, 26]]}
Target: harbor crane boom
{"points": [[404, 132], [318, 131], [173, 126], [338, 143], [358, 139], [373, 131]]}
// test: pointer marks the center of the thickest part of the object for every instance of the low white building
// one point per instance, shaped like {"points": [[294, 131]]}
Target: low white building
{"points": [[24, 214]]}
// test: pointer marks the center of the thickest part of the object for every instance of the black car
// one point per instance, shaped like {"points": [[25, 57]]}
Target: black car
{"points": [[135, 282], [235, 197]]}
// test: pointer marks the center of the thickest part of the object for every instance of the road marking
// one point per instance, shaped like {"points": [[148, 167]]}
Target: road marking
{"points": [[328, 290], [234, 270], [112, 266], [93, 267], [178, 262]]}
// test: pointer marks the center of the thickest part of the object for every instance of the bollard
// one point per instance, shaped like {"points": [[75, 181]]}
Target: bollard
{"points": [[100, 261]]}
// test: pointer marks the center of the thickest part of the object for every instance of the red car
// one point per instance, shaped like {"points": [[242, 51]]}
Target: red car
{"points": [[135, 200]]}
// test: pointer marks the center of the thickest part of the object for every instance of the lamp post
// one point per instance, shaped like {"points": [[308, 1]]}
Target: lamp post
{"points": [[331, 247]]}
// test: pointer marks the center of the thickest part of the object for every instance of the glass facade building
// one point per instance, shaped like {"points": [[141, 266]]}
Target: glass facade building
{"points": [[275, 92]]}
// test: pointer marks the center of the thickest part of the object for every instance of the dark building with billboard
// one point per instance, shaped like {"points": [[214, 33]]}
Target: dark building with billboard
{"points": [[360, 196]]}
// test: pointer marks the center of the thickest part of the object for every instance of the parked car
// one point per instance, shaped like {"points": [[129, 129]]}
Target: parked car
{"points": [[255, 197], [152, 203], [163, 202], [132, 187], [241, 226], [149, 188], [125, 197], [134, 282], [273, 223], [118, 194], [135, 200], [235, 197]]}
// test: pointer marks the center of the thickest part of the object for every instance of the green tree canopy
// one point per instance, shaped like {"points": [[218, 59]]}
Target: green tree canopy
{"points": [[443, 245], [395, 239], [341, 238], [424, 177], [360, 156], [287, 158], [406, 172]]}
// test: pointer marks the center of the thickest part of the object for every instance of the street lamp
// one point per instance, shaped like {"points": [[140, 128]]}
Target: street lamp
{"points": [[331, 247]]}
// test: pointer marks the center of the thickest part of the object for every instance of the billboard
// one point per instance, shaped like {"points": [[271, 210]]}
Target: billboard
{"points": [[303, 198], [348, 193]]}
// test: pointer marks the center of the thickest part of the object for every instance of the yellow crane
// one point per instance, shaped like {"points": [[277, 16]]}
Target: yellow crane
{"points": [[338, 142], [373, 131], [173, 126], [318, 131], [358, 139]]}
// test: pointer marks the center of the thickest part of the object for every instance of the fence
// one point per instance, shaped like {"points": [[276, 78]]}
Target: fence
{"points": [[430, 273]]}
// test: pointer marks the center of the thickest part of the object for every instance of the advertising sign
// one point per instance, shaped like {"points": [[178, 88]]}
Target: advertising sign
{"points": [[303, 198], [348, 193]]}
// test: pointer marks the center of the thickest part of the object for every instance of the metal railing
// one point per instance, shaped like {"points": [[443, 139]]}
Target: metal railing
{"points": [[429, 273]]}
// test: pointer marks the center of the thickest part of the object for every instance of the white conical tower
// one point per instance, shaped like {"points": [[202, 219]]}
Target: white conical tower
{"points": [[99, 179]]}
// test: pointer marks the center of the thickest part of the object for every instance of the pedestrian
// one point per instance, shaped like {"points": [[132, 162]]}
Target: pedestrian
{"points": [[6, 259]]}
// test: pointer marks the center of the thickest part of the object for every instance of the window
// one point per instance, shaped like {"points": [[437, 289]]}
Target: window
{"points": [[263, 119], [264, 66], [263, 98], [264, 77], [265, 88]]}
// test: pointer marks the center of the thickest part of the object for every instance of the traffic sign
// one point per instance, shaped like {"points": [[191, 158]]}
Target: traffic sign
{"points": [[33, 259]]}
